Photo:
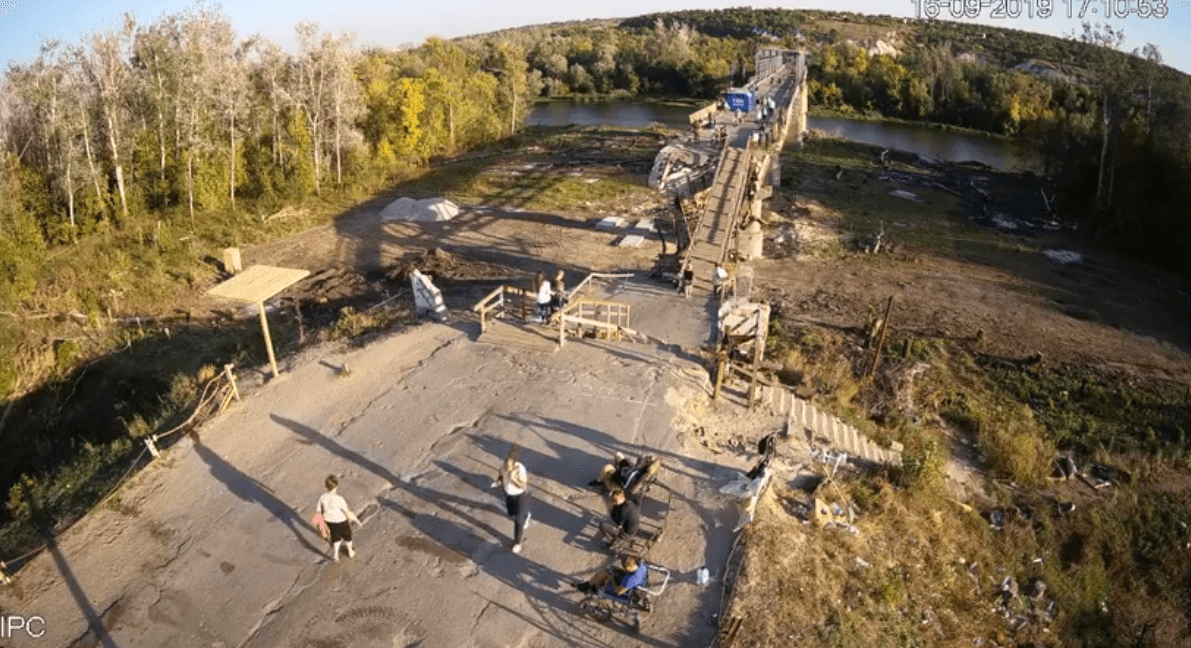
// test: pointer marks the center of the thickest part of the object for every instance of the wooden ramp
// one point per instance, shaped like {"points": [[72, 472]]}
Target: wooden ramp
{"points": [[526, 337]]}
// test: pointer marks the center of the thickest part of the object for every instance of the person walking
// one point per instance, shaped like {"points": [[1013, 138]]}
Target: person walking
{"points": [[719, 278], [335, 512], [515, 481]]}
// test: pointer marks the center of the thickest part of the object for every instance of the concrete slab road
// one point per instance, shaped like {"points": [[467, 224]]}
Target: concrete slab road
{"points": [[212, 546]]}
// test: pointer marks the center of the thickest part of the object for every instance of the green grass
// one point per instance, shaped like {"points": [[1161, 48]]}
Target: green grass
{"points": [[1113, 566], [503, 180], [1082, 410], [865, 204]]}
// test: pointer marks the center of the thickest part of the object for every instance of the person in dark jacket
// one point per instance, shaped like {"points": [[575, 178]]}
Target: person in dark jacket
{"points": [[625, 517]]}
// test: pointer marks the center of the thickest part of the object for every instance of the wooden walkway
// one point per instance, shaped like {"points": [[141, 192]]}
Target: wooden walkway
{"points": [[709, 241], [727, 198]]}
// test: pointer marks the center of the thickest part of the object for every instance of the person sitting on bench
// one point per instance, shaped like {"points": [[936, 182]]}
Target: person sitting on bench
{"points": [[625, 474], [617, 579], [625, 517]]}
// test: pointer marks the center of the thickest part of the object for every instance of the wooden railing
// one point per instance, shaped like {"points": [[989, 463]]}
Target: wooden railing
{"points": [[607, 319], [606, 315], [582, 285], [500, 301]]}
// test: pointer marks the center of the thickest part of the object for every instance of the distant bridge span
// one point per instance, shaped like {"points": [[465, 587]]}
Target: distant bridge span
{"points": [[731, 154]]}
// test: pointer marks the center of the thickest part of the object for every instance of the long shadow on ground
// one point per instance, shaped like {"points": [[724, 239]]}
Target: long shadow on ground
{"points": [[539, 583]]}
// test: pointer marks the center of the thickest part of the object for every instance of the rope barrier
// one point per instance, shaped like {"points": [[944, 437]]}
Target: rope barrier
{"points": [[6, 576], [207, 395]]}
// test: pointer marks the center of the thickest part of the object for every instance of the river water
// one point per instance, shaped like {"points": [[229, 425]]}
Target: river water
{"points": [[1002, 154]]}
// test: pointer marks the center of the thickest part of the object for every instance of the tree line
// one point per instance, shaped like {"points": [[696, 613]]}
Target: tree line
{"points": [[663, 57], [182, 117], [1113, 134]]}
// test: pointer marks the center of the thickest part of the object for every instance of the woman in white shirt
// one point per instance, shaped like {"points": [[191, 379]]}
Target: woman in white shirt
{"points": [[338, 517], [544, 295], [515, 481]]}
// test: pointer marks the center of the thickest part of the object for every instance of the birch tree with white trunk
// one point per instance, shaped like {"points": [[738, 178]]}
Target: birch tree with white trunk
{"points": [[105, 64]]}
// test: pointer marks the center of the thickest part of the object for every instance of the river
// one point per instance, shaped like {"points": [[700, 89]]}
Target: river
{"points": [[1002, 154]]}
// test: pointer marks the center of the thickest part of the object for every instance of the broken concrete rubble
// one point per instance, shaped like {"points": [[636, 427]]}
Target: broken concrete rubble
{"points": [[427, 297]]}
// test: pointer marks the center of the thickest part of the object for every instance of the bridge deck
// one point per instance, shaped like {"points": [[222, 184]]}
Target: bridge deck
{"points": [[724, 203]]}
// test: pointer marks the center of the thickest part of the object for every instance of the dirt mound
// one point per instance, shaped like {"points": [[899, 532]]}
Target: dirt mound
{"points": [[435, 262]]}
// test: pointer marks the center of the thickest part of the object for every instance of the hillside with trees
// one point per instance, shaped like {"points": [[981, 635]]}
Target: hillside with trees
{"points": [[130, 158], [1112, 126]]}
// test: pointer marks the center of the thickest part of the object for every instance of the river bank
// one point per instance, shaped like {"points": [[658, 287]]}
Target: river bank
{"points": [[934, 141], [876, 117]]}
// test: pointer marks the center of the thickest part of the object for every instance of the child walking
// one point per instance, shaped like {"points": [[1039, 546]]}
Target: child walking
{"points": [[515, 481], [335, 512]]}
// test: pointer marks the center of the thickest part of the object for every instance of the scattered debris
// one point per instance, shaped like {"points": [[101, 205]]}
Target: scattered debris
{"points": [[842, 525], [630, 241], [747, 491], [872, 243], [1096, 483], [828, 457], [983, 192], [1047, 201], [1106, 473], [427, 297], [1064, 257], [784, 244], [1065, 468], [610, 223], [284, 213], [908, 195], [1004, 221], [1038, 589]]}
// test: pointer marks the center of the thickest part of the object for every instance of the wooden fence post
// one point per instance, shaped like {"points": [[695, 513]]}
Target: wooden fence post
{"points": [[881, 340], [231, 379]]}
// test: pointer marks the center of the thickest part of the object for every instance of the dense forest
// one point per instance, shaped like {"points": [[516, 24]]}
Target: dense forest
{"points": [[137, 151]]}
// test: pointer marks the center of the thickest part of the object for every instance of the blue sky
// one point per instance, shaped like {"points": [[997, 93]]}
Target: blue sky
{"points": [[24, 24]]}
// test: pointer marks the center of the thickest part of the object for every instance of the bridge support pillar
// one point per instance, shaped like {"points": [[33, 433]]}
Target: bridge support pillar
{"points": [[800, 108], [751, 241]]}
